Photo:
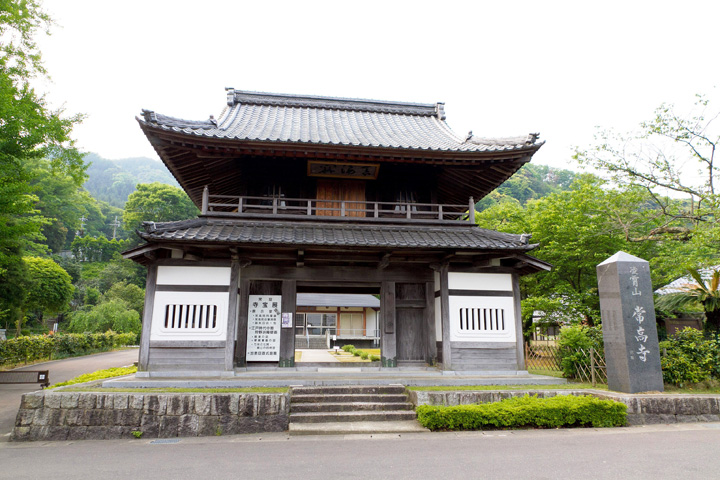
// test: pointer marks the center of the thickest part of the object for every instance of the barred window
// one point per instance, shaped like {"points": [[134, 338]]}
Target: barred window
{"points": [[190, 317], [482, 319]]}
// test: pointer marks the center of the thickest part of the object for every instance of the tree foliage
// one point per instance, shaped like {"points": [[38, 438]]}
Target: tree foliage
{"points": [[661, 159], [29, 130], [49, 287], [157, 202]]}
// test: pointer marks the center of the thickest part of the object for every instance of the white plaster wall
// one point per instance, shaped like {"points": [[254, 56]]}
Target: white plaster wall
{"points": [[162, 299], [169, 275], [505, 303], [479, 281], [371, 321]]}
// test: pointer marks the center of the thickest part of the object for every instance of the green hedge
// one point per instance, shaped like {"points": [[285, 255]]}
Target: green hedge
{"points": [[40, 347], [526, 412], [689, 357]]}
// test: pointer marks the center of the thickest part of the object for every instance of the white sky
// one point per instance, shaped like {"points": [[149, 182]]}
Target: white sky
{"points": [[503, 68]]}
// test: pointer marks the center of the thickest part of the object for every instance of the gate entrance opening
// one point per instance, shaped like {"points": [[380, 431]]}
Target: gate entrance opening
{"points": [[326, 321]]}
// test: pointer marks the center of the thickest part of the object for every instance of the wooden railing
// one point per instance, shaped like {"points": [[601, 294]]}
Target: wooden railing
{"points": [[243, 205]]}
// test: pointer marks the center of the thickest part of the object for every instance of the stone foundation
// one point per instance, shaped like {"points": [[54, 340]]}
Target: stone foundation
{"points": [[52, 415], [642, 409]]}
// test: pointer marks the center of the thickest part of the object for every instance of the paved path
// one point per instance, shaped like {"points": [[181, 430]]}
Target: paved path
{"points": [[60, 371], [647, 453]]}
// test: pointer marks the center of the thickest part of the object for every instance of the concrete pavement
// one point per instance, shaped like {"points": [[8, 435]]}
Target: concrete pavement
{"points": [[60, 371], [650, 452]]}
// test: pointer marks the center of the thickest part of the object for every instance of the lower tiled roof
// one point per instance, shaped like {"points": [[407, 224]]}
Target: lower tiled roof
{"points": [[213, 230]]}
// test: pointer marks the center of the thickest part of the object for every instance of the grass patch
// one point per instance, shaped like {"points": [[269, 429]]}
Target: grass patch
{"points": [[526, 412], [180, 390], [99, 375], [567, 386], [545, 371]]}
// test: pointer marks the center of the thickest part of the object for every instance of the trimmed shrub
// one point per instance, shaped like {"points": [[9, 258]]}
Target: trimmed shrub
{"points": [[40, 347], [526, 412], [356, 352], [364, 355], [689, 357], [348, 348], [374, 358], [574, 338]]}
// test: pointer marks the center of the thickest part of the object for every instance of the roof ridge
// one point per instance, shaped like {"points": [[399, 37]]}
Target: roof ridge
{"points": [[235, 97]]}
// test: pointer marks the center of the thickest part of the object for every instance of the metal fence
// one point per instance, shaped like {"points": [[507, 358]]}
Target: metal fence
{"points": [[545, 359]]}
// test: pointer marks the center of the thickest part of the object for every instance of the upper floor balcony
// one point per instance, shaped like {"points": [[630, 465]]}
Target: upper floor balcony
{"points": [[333, 210]]}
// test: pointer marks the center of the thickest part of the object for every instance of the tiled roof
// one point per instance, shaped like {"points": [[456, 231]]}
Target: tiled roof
{"points": [[265, 117], [212, 230], [683, 283], [336, 300]]}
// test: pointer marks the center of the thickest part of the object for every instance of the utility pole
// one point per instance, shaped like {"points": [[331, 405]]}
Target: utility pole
{"points": [[81, 232], [115, 224]]}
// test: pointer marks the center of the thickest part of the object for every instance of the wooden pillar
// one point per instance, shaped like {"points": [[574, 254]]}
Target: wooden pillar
{"points": [[388, 344], [232, 318], [242, 323], [150, 288], [445, 317], [287, 335], [519, 339], [429, 324]]}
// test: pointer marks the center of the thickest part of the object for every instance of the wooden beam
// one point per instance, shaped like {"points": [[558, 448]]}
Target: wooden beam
{"points": [[388, 339], [445, 317], [151, 284], [232, 319], [287, 335]]}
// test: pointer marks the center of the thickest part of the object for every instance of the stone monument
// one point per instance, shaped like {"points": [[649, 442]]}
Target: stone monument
{"points": [[632, 354]]}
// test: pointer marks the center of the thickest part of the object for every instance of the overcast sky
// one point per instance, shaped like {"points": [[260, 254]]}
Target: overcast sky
{"points": [[502, 68]]}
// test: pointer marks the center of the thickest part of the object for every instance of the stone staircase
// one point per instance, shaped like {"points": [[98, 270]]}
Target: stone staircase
{"points": [[351, 409], [315, 342]]}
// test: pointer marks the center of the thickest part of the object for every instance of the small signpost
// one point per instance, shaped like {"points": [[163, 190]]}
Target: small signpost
{"points": [[632, 353]]}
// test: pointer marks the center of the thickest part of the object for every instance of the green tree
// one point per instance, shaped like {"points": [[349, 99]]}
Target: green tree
{"points": [[655, 158], [49, 287], [576, 230], [132, 295], [157, 202], [113, 315], [28, 130]]}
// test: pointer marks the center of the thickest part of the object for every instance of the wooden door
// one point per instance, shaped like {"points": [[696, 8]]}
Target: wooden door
{"points": [[410, 313], [352, 192]]}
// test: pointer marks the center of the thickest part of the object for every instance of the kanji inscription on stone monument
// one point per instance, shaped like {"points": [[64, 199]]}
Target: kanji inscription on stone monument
{"points": [[632, 353]]}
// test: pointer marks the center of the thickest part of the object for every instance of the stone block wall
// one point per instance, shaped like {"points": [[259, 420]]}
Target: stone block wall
{"points": [[49, 415], [641, 409]]}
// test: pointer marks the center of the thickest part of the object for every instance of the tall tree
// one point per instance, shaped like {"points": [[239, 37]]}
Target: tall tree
{"points": [[157, 202], [29, 129], [661, 159]]}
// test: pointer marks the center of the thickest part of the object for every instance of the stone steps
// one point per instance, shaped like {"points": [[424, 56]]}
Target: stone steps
{"points": [[348, 398], [362, 416], [351, 409], [350, 389], [350, 406]]}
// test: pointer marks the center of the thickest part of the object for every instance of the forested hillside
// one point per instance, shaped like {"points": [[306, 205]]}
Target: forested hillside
{"points": [[112, 181]]}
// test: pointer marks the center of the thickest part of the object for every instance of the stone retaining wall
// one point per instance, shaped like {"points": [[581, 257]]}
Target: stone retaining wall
{"points": [[58, 415], [642, 409]]}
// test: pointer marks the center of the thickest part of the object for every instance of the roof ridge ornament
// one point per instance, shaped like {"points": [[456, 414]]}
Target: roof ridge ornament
{"points": [[440, 110], [230, 96]]}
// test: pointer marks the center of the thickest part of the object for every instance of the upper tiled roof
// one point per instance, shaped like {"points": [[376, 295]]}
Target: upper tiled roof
{"points": [[266, 117], [214, 230]]}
